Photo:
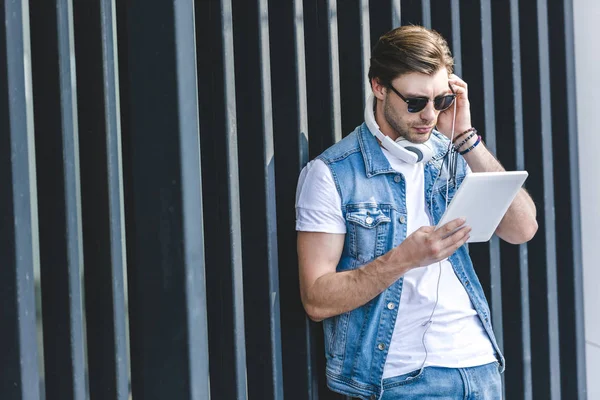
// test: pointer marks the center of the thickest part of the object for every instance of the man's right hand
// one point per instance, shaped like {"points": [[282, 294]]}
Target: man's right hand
{"points": [[426, 245]]}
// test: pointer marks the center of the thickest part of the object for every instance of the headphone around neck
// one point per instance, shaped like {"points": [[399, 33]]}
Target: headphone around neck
{"points": [[411, 153]]}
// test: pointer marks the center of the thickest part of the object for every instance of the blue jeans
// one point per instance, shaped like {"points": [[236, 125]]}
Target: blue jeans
{"points": [[481, 383]]}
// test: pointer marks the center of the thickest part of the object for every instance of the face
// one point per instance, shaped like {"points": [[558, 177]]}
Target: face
{"points": [[392, 113]]}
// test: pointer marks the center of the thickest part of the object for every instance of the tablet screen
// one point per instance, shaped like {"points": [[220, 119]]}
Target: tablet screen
{"points": [[482, 199]]}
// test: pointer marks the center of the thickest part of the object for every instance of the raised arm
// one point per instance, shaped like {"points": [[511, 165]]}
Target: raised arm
{"points": [[519, 223]]}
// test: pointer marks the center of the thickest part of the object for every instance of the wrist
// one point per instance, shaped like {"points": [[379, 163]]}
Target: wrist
{"points": [[462, 135], [469, 146]]}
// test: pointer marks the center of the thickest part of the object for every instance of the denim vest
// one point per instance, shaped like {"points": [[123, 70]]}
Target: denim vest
{"points": [[374, 207]]}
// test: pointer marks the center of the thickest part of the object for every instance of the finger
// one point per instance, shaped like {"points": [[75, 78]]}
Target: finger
{"points": [[457, 81], [455, 241], [459, 90], [459, 86], [456, 236], [447, 228]]}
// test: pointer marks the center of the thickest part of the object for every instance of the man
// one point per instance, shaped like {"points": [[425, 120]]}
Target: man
{"points": [[403, 312]]}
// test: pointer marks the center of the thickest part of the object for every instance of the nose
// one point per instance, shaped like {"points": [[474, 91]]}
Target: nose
{"points": [[428, 113]]}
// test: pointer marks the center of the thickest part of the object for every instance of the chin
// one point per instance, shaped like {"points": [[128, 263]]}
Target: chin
{"points": [[418, 137]]}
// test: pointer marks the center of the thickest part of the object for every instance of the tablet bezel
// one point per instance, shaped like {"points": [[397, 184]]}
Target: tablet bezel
{"points": [[478, 188]]}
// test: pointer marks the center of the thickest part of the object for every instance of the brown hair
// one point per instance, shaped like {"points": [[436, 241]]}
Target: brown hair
{"points": [[409, 49]]}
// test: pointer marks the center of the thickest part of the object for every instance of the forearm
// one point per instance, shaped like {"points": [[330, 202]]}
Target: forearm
{"points": [[338, 292], [519, 223]]}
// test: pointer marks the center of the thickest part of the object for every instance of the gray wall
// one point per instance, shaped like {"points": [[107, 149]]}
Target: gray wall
{"points": [[587, 59]]}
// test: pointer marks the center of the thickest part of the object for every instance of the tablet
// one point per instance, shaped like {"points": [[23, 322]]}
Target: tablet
{"points": [[482, 199]]}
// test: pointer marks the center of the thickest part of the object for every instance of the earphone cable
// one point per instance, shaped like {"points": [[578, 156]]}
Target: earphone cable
{"points": [[429, 322]]}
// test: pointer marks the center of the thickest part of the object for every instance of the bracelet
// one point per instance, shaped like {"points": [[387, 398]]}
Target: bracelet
{"points": [[461, 144], [472, 147], [464, 133]]}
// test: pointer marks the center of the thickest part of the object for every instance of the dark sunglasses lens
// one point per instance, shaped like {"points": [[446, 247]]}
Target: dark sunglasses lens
{"points": [[442, 103], [416, 104]]}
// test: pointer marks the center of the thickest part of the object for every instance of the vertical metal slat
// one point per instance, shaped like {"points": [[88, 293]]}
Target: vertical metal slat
{"points": [[334, 71], [191, 199], [286, 34], [59, 198], [115, 195], [221, 198], [396, 13], [165, 221], [548, 180], [19, 253], [520, 164], [102, 198], [270, 196], [426, 12], [490, 135], [70, 138], [234, 202], [456, 40], [365, 47], [578, 306]]}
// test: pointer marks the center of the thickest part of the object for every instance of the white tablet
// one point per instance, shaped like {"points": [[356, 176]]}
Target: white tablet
{"points": [[483, 198]]}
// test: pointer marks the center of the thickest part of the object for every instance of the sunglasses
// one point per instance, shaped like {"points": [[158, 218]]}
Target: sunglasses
{"points": [[416, 104]]}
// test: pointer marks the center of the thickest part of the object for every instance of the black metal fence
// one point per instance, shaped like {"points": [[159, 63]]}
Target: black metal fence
{"points": [[148, 162]]}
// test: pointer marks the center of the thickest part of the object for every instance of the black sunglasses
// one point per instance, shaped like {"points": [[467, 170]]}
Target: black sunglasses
{"points": [[416, 104]]}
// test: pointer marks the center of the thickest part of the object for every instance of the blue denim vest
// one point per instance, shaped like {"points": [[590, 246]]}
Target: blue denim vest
{"points": [[374, 207]]}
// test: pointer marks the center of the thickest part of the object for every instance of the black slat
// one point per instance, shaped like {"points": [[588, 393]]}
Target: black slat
{"points": [[221, 198], [542, 260], [102, 199], [575, 208], [473, 74], [509, 125], [19, 252], [382, 18], [365, 49], [353, 76], [441, 21], [495, 298], [456, 36], [549, 203], [257, 188], [322, 73], [290, 124], [165, 247], [568, 257], [57, 153], [412, 12]]}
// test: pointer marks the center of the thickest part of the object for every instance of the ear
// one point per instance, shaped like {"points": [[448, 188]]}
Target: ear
{"points": [[379, 90]]}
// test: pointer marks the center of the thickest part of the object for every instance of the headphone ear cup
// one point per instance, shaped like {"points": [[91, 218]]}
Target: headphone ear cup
{"points": [[423, 151]]}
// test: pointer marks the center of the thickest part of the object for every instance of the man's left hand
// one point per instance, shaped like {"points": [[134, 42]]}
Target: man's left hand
{"points": [[463, 112]]}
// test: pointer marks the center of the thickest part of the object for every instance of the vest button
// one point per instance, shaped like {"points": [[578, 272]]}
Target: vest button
{"points": [[397, 179], [369, 220], [391, 306], [402, 219], [381, 346]]}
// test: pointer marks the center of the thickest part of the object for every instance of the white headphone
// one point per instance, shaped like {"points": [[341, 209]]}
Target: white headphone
{"points": [[402, 149]]}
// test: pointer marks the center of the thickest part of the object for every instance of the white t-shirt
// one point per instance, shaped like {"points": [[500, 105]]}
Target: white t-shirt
{"points": [[455, 338]]}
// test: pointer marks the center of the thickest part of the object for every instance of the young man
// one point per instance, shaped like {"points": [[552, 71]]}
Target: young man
{"points": [[403, 312]]}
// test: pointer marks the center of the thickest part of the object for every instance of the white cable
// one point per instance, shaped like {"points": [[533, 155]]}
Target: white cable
{"points": [[437, 293]]}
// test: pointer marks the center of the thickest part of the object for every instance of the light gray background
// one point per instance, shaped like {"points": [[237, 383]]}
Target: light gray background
{"points": [[587, 65]]}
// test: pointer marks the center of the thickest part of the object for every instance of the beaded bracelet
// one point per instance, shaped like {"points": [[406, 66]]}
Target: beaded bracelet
{"points": [[463, 133], [461, 144], [472, 147]]}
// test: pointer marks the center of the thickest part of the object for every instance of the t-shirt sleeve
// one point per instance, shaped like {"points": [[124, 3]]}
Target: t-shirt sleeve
{"points": [[318, 203]]}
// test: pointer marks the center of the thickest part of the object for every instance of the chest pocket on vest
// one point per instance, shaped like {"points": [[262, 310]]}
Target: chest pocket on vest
{"points": [[367, 227], [440, 197]]}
